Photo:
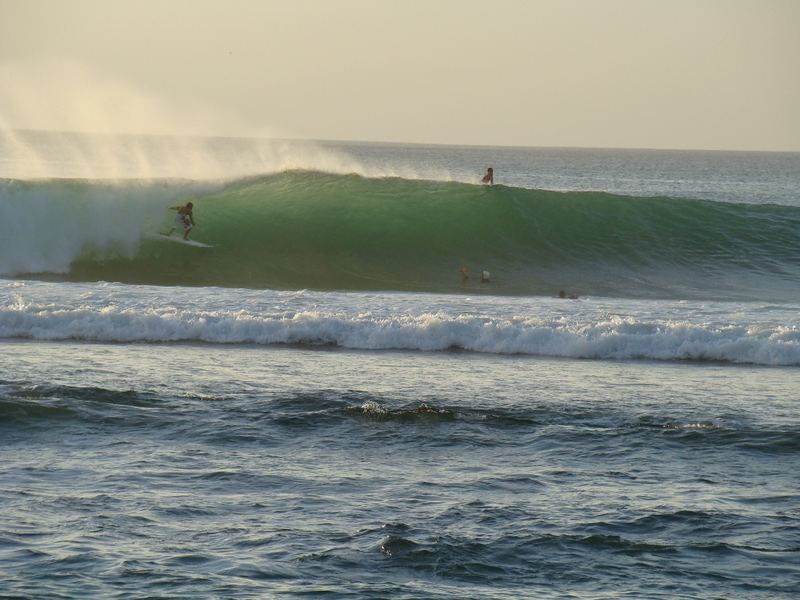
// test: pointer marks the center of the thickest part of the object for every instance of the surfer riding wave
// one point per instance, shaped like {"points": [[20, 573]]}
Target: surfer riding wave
{"points": [[184, 219]]}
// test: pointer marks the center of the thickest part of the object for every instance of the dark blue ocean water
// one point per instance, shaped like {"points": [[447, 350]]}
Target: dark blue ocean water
{"points": [[193, 472]]}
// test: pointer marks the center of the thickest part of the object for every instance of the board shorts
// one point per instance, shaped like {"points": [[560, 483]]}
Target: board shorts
{"points": [[183, 221]]}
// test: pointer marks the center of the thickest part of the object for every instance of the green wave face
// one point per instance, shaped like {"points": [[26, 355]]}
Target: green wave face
{"points": [[320, 231]]}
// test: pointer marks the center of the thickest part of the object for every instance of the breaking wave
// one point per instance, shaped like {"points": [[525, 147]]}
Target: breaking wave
{"points": [[612, 337], [314, 230]]}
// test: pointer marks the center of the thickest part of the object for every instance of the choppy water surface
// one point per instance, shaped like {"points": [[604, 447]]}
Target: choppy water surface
{"points": [[194, 471]]}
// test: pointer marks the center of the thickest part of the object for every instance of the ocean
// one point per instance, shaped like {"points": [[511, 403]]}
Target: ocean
{"points": [[329, 401]]}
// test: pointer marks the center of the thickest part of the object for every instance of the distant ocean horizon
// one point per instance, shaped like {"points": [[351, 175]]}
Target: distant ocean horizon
{"points": [[366, 142]]}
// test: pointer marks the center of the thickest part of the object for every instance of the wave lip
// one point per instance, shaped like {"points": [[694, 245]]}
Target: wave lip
{"points": [[609, 337]]}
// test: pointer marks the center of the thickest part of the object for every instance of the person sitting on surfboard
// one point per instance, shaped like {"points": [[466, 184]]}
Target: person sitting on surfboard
{"points": [[489, 177], [184, 219]]}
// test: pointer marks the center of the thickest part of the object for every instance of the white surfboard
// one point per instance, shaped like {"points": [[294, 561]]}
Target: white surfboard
{"points": [[179, 240]]}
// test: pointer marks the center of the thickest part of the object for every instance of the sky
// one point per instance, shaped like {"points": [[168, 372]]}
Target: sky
{"points": [[694, 74]]}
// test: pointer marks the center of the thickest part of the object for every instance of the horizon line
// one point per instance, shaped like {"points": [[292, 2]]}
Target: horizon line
{"points": [[388, 143]]}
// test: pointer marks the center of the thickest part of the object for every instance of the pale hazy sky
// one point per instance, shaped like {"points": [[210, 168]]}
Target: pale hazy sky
{"points": [[717, 74]]}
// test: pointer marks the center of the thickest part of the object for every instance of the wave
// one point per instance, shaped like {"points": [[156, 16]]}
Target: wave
{"points": [[305, 229], [49, 404], [610, 337]]}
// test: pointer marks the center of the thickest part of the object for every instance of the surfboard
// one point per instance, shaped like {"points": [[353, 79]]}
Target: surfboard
{"points": [[179, 240]]}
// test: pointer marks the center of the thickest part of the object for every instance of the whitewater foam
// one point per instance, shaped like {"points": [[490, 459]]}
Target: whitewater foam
{"points": [[47, 225], [587, 334]]}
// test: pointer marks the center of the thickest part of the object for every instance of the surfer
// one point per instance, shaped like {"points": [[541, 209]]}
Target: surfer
{"points": [[489, 177], [184, 219], [464, 274]]}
